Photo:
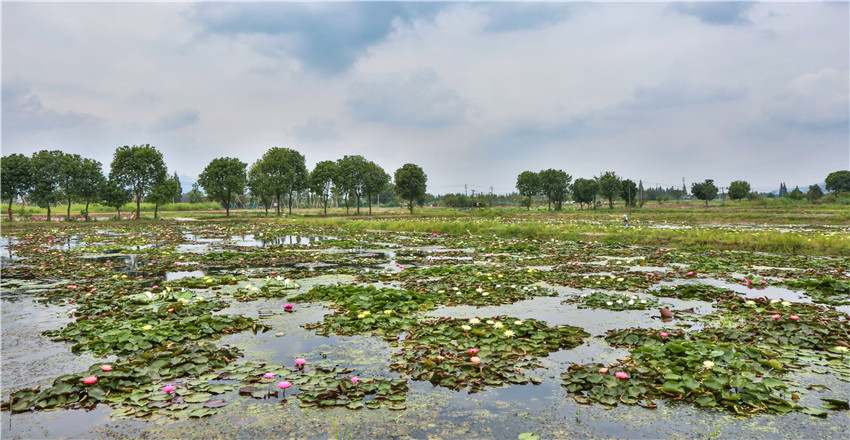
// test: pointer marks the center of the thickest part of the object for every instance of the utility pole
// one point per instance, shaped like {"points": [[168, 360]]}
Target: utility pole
{"points": [[464, 190]]}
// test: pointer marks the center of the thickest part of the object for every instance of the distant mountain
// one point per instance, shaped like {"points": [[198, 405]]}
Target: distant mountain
{"points": [[804, 189]]}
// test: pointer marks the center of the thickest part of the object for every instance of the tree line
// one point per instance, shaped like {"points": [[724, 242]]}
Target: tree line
{"points": [[138, 172], [557, 186]]}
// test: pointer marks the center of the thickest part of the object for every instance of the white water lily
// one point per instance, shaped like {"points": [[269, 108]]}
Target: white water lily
{"points": [[466, 327], [708, 365], [518, 322], [498, 325], [490, 322], [750, 302], [474, 321], [631, 301], [643, 301], [150, 296], [786, 303], [619, 301], [509, 333], [609, 303]]}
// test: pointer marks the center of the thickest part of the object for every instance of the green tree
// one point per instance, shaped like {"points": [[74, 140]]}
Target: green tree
{"points": [[704, 191], [195, 195], [838, 181], [322, 181], [139, 167], [286, 173], [260, 186], [814, 193], [738, 189], [795, 194], [528, 185], [642, 196], [223, 178], [783, 190], [16, 177], [676, 194], [609, 187], [70, 170], [629, 192], [115, 195], [47, 168], [353, 170], [410, 183], [179, 189], [161, 193], [89, 183], [375, 180], [584, 191], [555, 184]]}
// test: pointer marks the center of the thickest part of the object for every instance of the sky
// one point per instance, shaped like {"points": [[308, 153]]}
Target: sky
{"points": [[474, 93]]}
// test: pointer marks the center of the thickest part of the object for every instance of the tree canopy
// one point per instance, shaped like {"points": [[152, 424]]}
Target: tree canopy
{"points": [[609, 187], [222, 179], [585, 190], [528, 185], [838, 181], [17, 177], [704, 191], [738, 189], [410, 183], [138, 167], [285, 173], [322, 180]]}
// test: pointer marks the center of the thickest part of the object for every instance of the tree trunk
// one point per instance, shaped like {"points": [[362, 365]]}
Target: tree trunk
{"points": [[48, 212], [87, 210], [370, 205], [10, 207], [357, 197], [290, 203], [277, 205], [155, 210], [139, 206], [227, 205], [68, 216], [119, 212]]}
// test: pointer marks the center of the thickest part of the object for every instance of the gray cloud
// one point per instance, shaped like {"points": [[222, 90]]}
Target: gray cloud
{"points": [[176, 120], [327, 37], [680, 94], [711, 12], [316, 130], [414, 99], [23, 110], [813, 101], [517, 16]]}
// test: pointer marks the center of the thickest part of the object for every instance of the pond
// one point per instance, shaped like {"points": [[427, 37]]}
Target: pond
{"points": [[194, 331]]}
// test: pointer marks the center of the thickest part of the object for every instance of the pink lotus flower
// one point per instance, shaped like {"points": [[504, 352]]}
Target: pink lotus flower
{"points": [[288, 307], [475, 359], [170, 310], [355, 380], [168, 389], [284, 385], [439, 358], [795, 317], [300, 362], [268, 376], [621, 375], [691, 273], [90, 380], [776, 316], [663, 334], [155, 287], [603, 370], [273, 273], [473, 350], [106, 367]]}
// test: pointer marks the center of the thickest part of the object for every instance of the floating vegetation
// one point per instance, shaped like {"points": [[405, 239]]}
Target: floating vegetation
{"points": [[616, 302], [479, 353]]}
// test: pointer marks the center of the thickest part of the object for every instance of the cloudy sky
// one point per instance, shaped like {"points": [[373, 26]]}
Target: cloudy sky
{"points": [[475, 93]]}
